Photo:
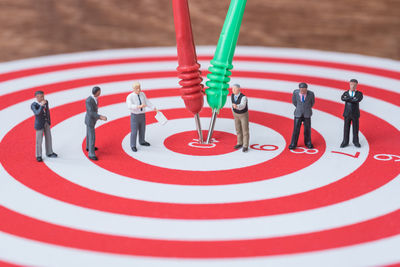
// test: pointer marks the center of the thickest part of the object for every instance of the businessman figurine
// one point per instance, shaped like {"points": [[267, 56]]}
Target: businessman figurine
{"points": [[303, 100], [241, 117], [137, 103], [42, 126], [90, 120], [351, 113]]}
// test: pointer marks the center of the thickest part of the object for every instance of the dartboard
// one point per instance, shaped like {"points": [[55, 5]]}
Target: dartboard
{"points": [[182, 203]]}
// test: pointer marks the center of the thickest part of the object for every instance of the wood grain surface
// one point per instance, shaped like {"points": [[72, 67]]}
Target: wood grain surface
{"points": [[42, 27]]}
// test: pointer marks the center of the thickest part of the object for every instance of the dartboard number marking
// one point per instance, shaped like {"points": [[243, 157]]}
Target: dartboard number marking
{"points": [[264, 147], [356, 155], [303, 150], [387, 157]]}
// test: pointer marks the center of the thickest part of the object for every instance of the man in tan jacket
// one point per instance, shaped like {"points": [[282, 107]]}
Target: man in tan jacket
{"points": [[241, 115]]}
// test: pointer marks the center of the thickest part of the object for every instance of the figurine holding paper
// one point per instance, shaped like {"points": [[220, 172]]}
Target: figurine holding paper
{"points": [[137, 103]]}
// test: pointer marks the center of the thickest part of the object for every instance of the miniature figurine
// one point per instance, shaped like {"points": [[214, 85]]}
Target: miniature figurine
{"points": [[137, 103], [351, 113], [42, 126], [303, 100], [241, 116], [90, 120]]}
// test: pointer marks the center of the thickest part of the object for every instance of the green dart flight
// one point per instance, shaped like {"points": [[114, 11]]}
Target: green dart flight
{"points": [[222, 61]]}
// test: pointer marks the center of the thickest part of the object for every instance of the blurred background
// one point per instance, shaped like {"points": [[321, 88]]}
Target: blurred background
{"points": [[43, 27]]}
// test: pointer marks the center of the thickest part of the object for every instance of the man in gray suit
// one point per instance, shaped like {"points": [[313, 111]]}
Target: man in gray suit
{"points": [[90, 120], [42, 125], [303, 100]]}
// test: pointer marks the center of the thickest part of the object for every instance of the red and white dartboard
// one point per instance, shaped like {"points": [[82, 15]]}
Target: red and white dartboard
{"points": [[178, 203]]}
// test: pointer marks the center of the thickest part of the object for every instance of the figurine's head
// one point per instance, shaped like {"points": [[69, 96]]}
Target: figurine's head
{"points": [[96, 91], [303, 88], [39, 95], [353, 84], [236, 89], [136, 87]]}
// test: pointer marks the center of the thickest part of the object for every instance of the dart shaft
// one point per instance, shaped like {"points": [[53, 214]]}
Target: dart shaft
{"points": [[198, 127], [212, 125]]}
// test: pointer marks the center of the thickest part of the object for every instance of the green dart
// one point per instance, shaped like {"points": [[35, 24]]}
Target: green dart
{"points": [[222, 61]]}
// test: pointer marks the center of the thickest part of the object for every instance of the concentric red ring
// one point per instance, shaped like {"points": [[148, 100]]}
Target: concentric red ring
{"points": [[93, 63], [16, 97], [353, 234], [348, 187], [114, 159], [366, 231], [187, 143]]}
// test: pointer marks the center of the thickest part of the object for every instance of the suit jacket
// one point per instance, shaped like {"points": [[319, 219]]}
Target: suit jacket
{"points": [[91, 112], [351, 106], [303, 109], [42, 114]]}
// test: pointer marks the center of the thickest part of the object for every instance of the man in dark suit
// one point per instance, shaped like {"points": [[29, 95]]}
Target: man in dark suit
{"points": [[42, 126], [303, 100], [90, 120], [351, 113]]}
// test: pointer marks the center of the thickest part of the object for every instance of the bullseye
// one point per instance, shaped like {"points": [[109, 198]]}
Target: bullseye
{"points": [[187, 143], [179, 199]]}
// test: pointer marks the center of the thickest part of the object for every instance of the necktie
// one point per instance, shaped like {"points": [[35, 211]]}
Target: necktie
{"points": [[352, 93], [140, 102], [302, 98]]}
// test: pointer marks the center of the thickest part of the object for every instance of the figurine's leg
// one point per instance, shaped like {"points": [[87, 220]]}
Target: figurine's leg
{"points": [[307, 131], [48, 141], [87, 138], [238, 127], [296, 132], [142, 128], [245, 127], [355, 130], [346, 131], [134, 130], [91, 136], [39, 141]]}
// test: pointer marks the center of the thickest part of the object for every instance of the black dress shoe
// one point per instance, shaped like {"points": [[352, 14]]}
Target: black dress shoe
{"points": [[237, 146], [292, 146], [39, 159], [134, 149], [93, 158], [52, 155], [95, 149], [342, 145], [309, 146], [245, 149], [357, 144], [145, 144]]}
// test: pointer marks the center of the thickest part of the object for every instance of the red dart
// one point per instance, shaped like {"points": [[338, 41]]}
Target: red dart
{"points": [[188, 67]]}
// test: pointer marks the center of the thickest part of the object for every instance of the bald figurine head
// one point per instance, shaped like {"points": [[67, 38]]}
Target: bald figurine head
{"points": [[136, 88]]}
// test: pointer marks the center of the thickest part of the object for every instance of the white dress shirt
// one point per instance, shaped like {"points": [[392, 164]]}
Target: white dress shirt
{"points": [[132, 100], [243, 102], [95, 98], [352, 93]]}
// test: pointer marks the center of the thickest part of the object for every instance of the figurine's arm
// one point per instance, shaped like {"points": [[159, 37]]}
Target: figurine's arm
{"points": [[130, 104], [242, 104], [90, 111], [312, 99], [345, 97], [37, 109], [358, 99], [294, 100]]}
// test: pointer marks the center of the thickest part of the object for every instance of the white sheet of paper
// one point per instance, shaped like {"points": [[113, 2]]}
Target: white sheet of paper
{"points": [[161, 118]]}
